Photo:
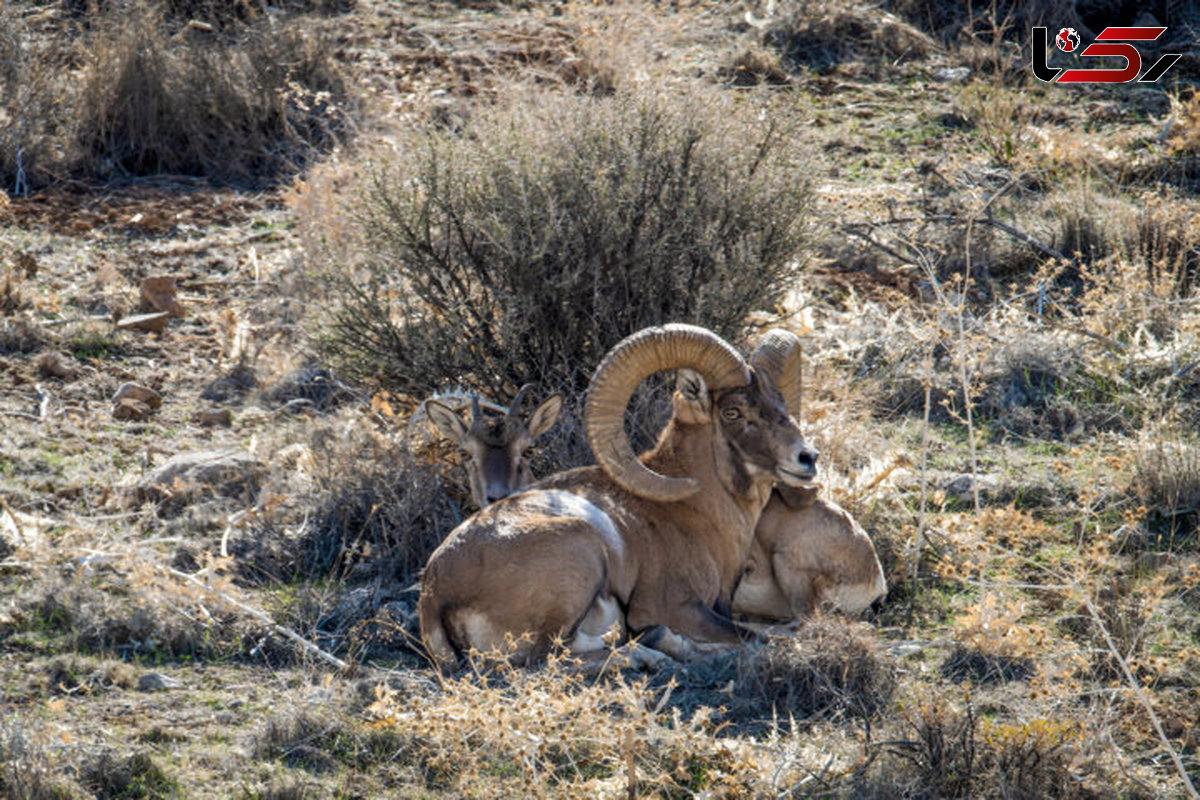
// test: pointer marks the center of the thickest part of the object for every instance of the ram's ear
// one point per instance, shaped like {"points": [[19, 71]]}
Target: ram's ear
{"points": [[693, 404], [545, 415], [451, 425]]}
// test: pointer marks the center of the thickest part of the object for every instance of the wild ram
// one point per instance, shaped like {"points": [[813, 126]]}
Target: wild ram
{"points": [[653, 545]]}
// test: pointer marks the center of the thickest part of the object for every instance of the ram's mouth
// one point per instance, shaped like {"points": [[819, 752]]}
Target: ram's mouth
{"points": [[793, 478]]}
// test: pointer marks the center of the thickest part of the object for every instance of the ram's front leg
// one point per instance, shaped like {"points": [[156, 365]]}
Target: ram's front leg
{"points": [[695, 631]]}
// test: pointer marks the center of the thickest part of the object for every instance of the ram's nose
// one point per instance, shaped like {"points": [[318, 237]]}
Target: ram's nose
{"points": [[806, 462]]}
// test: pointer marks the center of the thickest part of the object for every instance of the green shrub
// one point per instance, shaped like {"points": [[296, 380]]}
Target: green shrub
{"points": [[554, 226]]}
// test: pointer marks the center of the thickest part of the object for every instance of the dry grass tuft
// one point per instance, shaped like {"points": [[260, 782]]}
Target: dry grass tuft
{"points": [[829, 668], [819, 34], [134, 96], [1167, 485], [29, 765], [136, 776], [555, 733], [20, 335], [948, 751], [379, 510]]}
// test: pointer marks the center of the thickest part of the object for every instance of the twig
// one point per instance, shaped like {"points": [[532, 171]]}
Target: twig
{"points": [[1140, 691], [1023, 236], [261, 616]]}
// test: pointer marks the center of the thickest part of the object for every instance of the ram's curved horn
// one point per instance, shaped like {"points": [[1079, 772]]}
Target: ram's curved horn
{"points": [[778, 355], [673, 346]]}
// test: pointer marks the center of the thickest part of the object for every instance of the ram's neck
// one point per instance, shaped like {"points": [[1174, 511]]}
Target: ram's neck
{"points": [[726, 509]]}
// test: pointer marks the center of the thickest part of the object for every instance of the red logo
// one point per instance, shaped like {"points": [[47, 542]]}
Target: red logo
{"points": [[1110, 42], [1067, 40]]}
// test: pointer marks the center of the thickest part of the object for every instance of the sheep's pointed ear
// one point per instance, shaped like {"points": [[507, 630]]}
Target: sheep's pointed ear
{"points": [[451, 425], [545, 415], [693, 405]]}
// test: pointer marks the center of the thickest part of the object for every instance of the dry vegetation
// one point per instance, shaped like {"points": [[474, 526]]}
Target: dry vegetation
{"points": [[995, 281]]}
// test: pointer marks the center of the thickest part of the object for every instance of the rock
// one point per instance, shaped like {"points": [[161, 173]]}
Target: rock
{"points": [[1099, 109], [214, 417], [152, 323], [135, 391], [157, 682], [231, 386], [308, 387], [159, 293], [951, 74], [130, 410], [208, 473], [57, 365], [962, 486]]}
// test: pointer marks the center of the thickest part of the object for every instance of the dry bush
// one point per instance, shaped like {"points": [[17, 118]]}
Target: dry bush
{"points": [[136, 776], [830, 668], [1167, 484], [1000, 119], [220, 14], [72, 673], [20, 335], [30, 769], [556, 733], [377, 509], [557, 225], [820, 33], [945, 750], [132, 96], [752, 65], [247, 108]]}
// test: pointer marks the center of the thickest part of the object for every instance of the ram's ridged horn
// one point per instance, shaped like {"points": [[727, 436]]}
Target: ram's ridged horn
{"points": [[778, 355], [673, 346], [514, 408]]}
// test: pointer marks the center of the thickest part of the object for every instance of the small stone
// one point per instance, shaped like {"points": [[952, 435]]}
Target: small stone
{"points": [[951, 74], [130, 410], [213, 417], [159, 292], [963, 486], [135, 391], [187, 476], [151, 323], [57, 365], [157, 682]]}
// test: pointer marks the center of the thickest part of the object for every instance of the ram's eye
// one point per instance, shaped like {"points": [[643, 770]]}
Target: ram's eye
{"points": [[731, 414], [527, 452]]}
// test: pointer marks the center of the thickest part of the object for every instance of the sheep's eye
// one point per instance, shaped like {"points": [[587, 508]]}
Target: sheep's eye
{"points": [[731, 414], [527, 452]]}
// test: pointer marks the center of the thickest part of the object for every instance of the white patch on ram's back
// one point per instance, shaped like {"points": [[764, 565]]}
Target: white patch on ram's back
{"points": [[559, 503]]}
